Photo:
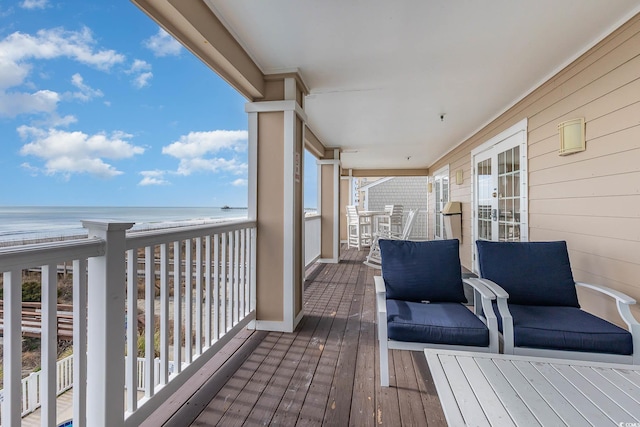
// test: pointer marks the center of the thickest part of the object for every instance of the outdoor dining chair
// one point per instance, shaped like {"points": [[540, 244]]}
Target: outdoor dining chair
{"points": [[420, 302], [392, 221], [373, 258], [537, 303], [359, 229]]}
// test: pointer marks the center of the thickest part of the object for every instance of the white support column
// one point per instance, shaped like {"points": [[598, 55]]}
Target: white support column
{"points": [[335, 232], [287, 222], [253, 166], [106, 329], [288, 255]]}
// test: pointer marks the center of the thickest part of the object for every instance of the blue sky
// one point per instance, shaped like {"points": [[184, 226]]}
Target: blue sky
{"points": [[100, 107]]}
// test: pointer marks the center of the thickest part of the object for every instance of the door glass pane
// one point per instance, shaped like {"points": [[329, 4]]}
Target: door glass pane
{"points": [[438, 223], [485, 188], [509, 195]]}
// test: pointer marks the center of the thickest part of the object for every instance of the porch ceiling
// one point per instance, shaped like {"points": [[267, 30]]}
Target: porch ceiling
{"points": [[381, 73]]}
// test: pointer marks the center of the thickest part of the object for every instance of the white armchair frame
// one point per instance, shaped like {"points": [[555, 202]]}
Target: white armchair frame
{"points": [[623, 303], [482, 303]]}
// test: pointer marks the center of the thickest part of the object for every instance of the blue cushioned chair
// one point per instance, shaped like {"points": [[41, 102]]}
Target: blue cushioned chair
{"points": [[420, 298], [538, 310]]}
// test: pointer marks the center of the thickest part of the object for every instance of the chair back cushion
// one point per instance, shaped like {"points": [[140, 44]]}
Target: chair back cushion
{"points": [[422, 271], [532, 273]]}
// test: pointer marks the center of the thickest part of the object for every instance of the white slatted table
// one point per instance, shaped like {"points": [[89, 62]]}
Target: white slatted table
{"points": [[480, 389]]}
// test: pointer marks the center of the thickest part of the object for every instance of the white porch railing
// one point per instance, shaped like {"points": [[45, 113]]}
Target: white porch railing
{"points": [[199, 282], [312, 242]]}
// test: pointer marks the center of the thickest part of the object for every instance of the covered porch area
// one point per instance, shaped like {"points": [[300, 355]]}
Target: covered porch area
{"points": [[324, 373]]}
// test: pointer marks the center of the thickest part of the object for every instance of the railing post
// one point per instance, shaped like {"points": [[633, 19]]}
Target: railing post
{"points": [[106, 325]]}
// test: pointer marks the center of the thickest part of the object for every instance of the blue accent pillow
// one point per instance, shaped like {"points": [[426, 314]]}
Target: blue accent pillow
{"points": [[533, 273], [422, 271]]}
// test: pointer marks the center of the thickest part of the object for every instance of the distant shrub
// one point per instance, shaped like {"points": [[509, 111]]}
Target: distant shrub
{"points": [[31, 292]]}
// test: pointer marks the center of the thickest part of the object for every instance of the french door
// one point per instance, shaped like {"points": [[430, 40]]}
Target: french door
{"points": [[500, 188], [441, 190]]}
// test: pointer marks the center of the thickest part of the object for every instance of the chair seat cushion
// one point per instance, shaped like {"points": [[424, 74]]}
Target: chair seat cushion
{"points": [[422, 271], [532, 273], [435, 323], [566, 328]]}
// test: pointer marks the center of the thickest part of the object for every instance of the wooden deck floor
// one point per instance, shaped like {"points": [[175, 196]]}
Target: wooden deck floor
{"points": [[326, 372]]}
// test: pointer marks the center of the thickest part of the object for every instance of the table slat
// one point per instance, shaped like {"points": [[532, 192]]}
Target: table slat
{"points": [[467, 402], [486, 395], [538, 406], [573, 395], [594, 393], [514, 405], [556, 401]]}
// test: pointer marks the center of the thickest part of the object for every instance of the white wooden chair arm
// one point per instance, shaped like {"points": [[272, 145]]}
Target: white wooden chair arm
{"points": [[497, 290], [479, 286], [380, 288], [381, 297], [623, 302], [487, 310], [507, 321], [619, 296]]}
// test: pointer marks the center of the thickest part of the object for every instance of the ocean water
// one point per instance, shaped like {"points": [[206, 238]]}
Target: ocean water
{"points": [[26, 223]]}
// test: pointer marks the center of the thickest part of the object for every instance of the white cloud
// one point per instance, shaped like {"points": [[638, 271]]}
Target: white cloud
{"points": [[86, 92], [196, 151], [42, 101], [56, 43], [217, 164], [155, 177], [139, 65], [18, 49], [142, 70], [67, 153], [240, 182], [34, 4], [197, 144], [163, 44], [142, 80]]}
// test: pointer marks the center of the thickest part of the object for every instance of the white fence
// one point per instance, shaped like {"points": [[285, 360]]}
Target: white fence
{"points": [[197, 287], [30, 385], [64, 381]]}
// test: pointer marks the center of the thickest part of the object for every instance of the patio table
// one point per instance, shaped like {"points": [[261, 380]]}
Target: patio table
{"points": [[481, 389], [373, 218]]}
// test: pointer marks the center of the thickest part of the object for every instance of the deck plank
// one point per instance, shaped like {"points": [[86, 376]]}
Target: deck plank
{"points": [[327, 371]]}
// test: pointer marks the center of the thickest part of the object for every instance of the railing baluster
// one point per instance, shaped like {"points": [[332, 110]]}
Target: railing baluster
{"points": [[188, 307], [177, 306], [149, 323], [164, 314], [243, 267], [223, 285], [80, 341], [198, 299], [12, 348], [49, 344], [252, 276], [208, 290], [236, 277], [132, 330], [216, 287]]}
